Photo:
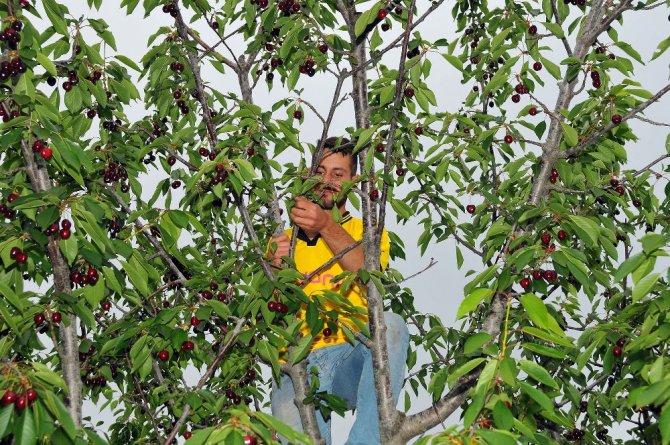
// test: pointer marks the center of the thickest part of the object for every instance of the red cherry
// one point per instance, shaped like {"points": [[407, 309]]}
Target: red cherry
{"points": [[65, 233], [14, 252], [374, 194], [323, 48], [187, 435], [547, 275], [409, 92], [617, 351], [537, 66], [400, 171], [637, 203], [39, 319], [21, 258], [8, 397], [620, 342], [46, 153], [195, 322], [11, 197], [105, 306], [620, 190], [249, 440], [418, 131], [297, 114], [616, 119], [379, 148], [327, 332], [31, 394], [56, 317], [546, 238], [66, 224], [21, 402], [525, 283], [163, 355], [532, 30], [272, 306], [470, 208], [188, 345], [516, 98], [537, 274], [562, 235], [382, 13], [509, 139], [614, 182], [532, 111]]}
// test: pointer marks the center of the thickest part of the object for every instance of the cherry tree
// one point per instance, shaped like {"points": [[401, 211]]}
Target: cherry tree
{"points": [[562, 328]]}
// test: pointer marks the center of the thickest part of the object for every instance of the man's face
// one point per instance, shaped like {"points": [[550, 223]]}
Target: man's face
{"points": [[334, 168]]}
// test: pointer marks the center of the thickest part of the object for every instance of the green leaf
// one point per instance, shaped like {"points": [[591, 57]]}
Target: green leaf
{"points": [[496, 437], [645, 285], [630, 51], [570, 134], [588, 229], [55, 17], [502, 416], [538, 313], [471, 302], [364, 137], [5, 417], [652, 241], [386, 95], [300, 351], [541, 398], [46, 63], [547, 336], [246, 169], [628, 266], [464, 369], [364, 19], [454, 61], [664, 425], [128, 62], [70, 248], [24, 429], [555, 29], [662, 47], [538, 373]]}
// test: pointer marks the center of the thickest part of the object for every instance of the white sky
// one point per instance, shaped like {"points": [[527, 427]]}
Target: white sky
{"points": [[438, 290]]}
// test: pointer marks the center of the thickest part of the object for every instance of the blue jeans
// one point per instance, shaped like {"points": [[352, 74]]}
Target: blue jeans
{"points": [[346, 370]]}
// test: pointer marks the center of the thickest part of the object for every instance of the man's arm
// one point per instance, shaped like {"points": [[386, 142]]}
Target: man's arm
{"points": [[313, 219]]}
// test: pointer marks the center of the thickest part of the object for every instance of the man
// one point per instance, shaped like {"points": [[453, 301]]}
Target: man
{"points": [[344, 369]]}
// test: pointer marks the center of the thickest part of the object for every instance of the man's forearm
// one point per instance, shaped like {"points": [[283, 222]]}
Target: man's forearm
{"points": [[339, 239]]}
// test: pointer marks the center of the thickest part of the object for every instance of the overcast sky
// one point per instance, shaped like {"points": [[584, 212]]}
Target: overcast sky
{"points": [[438, 290]]}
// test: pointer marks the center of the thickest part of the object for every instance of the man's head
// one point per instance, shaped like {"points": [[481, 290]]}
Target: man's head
{"points": [[337, 164]]}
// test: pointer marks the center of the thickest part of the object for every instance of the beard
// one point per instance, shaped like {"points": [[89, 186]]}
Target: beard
{"points": [[327, 201]]}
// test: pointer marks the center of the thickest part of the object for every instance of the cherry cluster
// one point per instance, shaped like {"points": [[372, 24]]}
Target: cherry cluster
{"points": [[307, 68], [12, 34], [5, 210], [220, 174], [519, 89], [170, 8], [260, 4], [73, 79], [602, 434], [575, 435], [20, 401], [151, 157], [289, 7], [18, 255], [114, 172], [554, 176], [84, 276], [91, 379], [13, 68], [277, 306], [617, 187], [40, 147], [64, 231], [112, 126], [177, 67], [114, 228], [8, 116], [41, 320], [595, 79]]}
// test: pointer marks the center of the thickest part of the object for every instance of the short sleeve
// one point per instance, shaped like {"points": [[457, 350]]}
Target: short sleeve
{"points": [[384, 250]]}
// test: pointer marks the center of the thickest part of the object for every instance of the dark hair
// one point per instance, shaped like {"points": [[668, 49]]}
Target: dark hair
{"points": [[344, 146]]}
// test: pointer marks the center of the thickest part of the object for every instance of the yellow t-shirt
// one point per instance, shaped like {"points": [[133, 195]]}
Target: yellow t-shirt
{"points": [[311, 254]]}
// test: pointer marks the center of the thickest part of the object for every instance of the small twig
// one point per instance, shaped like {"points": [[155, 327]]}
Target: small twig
{"points": [[566, 190], [206, 376], [307, 278], [311, 107], [144, 405], [651, 164], [649, 121]]}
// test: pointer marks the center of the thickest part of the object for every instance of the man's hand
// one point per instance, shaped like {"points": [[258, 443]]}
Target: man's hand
{"points": [[283, 247], [310, 217]]}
